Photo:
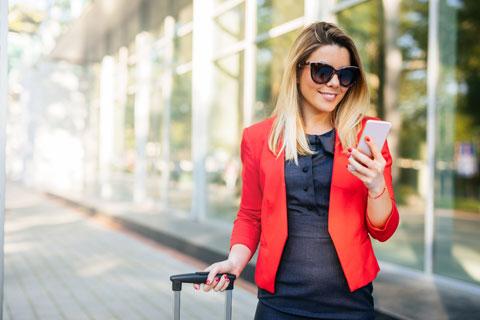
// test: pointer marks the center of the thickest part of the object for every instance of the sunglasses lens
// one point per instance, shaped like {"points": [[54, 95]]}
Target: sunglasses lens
{"points": [[347, 76], [321, 73]]}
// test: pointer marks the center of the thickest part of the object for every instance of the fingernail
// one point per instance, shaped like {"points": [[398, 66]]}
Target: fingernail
{"points": [[208, 281], [225, 276], [349, 149], [367, 138], [217, 279]]}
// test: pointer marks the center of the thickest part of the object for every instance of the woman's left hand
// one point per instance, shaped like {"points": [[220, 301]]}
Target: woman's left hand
{"points": [[369, 171]]}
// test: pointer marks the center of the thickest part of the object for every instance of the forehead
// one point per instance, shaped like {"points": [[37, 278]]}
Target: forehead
{"points": [[334, 55]]}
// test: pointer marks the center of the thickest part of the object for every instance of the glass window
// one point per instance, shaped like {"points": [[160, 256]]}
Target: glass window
{"points": [[153, 151], [225, 125], [271, 55], [229, 27], [361, 23], [457, 178], [183, 49], [181, 167], [129, 134], [272, 13], [183, 11], [398, 95]]}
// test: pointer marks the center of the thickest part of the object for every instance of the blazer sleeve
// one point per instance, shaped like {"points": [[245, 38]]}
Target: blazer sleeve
{"points": [[247, 226], [388, 229]]}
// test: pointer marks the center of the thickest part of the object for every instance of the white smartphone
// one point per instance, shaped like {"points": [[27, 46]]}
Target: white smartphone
{"points": [[378, 131]]}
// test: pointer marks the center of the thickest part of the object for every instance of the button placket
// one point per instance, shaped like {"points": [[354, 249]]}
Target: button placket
{"points": [[308, 168]]}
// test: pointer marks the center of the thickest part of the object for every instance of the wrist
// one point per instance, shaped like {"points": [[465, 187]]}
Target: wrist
{"points": [[235, 266], [377, 191]]}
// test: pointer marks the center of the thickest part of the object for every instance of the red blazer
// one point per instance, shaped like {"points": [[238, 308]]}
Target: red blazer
{"points": [[262, 216]]}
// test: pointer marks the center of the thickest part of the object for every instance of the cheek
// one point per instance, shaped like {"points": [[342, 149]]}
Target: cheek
{"points": [[307, 86], [343, 91]]}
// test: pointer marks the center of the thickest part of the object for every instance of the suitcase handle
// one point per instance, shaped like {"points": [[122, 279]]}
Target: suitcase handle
{"points": [[198, 278]]}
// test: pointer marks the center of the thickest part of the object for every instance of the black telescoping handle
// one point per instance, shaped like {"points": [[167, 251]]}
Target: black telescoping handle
{"points": [[197, 277]]}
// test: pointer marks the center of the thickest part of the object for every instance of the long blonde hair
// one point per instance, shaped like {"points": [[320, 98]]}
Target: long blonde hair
{"points": [[288, 124]]}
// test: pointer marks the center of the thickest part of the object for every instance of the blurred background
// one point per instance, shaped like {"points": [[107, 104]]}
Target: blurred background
{"points": [[142, 104]]}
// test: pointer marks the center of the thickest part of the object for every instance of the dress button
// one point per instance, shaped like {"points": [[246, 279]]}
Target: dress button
{"points": [[305, 169], [310, 208], [305, 189]]}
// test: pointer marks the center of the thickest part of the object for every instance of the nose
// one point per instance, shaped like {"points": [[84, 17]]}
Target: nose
{"points": [[334, 82]]}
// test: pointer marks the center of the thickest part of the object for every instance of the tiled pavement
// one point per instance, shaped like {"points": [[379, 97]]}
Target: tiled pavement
{"points": [[59, 264]]}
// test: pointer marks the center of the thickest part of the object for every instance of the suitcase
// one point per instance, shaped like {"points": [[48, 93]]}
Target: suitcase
{"points": [[199, 278]]}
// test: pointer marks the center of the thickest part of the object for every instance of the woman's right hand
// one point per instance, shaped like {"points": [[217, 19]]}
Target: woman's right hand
{"points": [[238, 258], [218, 283]]}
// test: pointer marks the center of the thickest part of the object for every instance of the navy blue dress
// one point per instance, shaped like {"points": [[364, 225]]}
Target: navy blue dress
{"points": [[310, 282]]}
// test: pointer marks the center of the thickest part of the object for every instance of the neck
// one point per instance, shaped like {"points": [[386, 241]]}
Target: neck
{"points": [[317, 122]]}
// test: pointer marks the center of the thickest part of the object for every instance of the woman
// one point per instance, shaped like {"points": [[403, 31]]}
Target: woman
{"points": [[309, 197]]}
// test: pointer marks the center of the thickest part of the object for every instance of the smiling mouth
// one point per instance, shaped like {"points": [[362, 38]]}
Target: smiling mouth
{"points": [[329, 96]]}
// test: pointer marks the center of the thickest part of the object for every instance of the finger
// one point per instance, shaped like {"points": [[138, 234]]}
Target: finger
{"points": [[213, 270], [196, 286], [225, 286], [208, 287], [360, 168], [360, 176], [362, 158], [220, 283], [373, 147]]}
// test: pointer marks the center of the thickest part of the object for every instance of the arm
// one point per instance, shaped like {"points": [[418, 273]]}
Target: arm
{"points": [[382, 213], [246, 227], [382, 216]]}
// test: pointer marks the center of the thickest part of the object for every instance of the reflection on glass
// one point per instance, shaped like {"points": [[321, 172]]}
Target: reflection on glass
{"points": [[225, 125], [180, 185], [154, 147], [183, 11], [129, 144], [272, 13], [183, 49], [457, 178], [271, 55], [407, 102], [361, 23], [229, 27]]}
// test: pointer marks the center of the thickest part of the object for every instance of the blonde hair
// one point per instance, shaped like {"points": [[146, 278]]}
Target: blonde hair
{"points": [[346, 118]]}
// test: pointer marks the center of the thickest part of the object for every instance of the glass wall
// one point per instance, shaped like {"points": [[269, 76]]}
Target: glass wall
{"points": [[273, 13], [457, 178], [229, 27], [181, 178], [225, 124], [271, 55], [180, 184], [225, 116], [395, 61]]}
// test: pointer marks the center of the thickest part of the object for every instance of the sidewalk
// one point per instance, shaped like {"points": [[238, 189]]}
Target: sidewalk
{"points": [[60, 264]]}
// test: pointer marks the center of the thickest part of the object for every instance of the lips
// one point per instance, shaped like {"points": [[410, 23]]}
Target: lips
{"points": [[329, 96]]}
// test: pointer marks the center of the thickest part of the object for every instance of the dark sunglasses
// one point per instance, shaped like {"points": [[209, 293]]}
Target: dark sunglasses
{"points": [[322, 73]]}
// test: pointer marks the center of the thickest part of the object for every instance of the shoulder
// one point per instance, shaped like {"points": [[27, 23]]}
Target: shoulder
{"points": [[255, 135], [258, 131], [260, 128]]}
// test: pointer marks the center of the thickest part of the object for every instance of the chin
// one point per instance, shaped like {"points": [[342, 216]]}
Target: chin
{"points": [[325, 106]]}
